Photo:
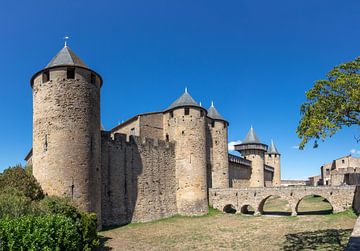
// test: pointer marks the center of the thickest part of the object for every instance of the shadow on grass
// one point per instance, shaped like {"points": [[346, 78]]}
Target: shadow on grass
{"points": [[319, 212], [329, 239], [279, 213], [103, 246]]}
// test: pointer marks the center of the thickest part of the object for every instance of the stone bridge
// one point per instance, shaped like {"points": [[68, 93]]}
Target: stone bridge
{"points": [[340, 197]]}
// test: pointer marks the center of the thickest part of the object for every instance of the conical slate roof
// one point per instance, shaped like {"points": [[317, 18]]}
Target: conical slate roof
{"points": [[251, 137], [213, 113], [66, 57], [272, 149], [184, 100]]}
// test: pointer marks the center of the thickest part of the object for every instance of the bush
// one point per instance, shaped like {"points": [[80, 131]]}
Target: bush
{"points": [[86, 223], [50, 232], [87, 226], [57, 205], [17, 177], [14, 203]]}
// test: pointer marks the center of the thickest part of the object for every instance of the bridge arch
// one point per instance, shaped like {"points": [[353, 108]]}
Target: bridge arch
{"points": [[315, 195], [260, 208], [229, 209], [247, 209]]}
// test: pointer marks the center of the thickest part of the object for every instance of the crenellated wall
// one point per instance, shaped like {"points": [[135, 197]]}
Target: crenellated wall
{"points": [[138, 179]]}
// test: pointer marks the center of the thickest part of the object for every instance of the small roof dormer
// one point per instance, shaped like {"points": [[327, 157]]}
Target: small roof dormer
{"points": [[184, 100]]}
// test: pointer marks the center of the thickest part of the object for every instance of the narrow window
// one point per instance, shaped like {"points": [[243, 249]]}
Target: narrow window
{"points": [[213, 123], [201, 113], [186, 111], [171, 114], [343, 161], [224, 124], [70, 73], [93, 78], [46, 143], [167, 137], [45, 76]]}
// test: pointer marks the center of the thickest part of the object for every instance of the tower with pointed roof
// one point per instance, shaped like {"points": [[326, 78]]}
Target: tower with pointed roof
{"points": [[184, 123], [217, 149], [66, 130], [252, 149], [273, 159]]}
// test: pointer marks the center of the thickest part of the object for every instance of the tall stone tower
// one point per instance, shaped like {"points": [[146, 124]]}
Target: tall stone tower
{"points": [[66, 130], [254, 151], [184, 123], [273, 159], [218, 145]]}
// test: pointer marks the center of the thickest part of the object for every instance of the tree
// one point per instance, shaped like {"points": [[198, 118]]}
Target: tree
{"points": [[331, 104], [18, 178]]}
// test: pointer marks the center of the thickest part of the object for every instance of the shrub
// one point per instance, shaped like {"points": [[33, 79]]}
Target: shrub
{"points": [[87, 226], [17, 177], [57, 205], [85, 223], [14, 203], [50, 232]]}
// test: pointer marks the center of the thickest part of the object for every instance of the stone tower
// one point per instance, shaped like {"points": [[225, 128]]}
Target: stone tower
{"points": [[184, 123], [254, 151], [218, 146], [66, 130], [273, 159]]}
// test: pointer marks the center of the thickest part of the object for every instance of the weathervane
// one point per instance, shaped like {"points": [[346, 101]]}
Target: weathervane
{"points": [[66, 38]]}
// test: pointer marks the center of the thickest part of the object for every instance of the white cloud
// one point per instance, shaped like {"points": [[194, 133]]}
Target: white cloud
{"points": [[295, 147], [232, 144], [355, 151]]}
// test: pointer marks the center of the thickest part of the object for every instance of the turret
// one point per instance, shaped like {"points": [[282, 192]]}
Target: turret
{"points": [[273, 159], [217, 145], [251, 149], [184, 123], [66, 130]]}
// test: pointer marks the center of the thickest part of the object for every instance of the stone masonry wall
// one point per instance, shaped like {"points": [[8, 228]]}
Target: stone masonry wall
{"points": [[189, 133], [138, 179], [217, 146], [66, 137], [151, 126], [340, 198], [239, 175]]}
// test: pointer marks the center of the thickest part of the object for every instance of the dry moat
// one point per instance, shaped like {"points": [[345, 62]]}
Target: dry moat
{"points": [[315, 229]]}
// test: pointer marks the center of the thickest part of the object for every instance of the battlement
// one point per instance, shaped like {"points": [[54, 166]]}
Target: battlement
{"points": [[121, 138]]}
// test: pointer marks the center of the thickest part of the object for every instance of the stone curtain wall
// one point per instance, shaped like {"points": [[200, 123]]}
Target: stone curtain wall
{"points": [[138, 179], [340, 198], [239, 175]]}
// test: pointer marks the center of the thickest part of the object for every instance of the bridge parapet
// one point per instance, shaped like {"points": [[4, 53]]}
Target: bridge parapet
{"points": [[340, 197]]}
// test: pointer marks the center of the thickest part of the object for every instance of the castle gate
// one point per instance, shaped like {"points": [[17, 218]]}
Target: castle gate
{"points": [[340, 197]]}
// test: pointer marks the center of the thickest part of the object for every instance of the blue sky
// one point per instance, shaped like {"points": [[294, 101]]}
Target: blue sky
{"points": [[255, 59]]}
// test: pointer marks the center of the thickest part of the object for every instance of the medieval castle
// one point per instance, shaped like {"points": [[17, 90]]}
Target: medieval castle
{"points": [[151, 166]]}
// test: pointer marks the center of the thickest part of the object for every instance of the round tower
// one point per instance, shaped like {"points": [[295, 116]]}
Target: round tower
{"points": [[218, 144], [185, 124], [66, 130], [251, 149], [273, 159]]}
